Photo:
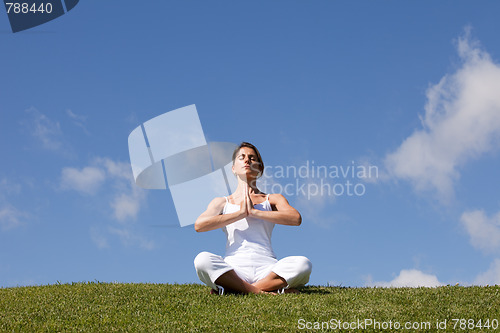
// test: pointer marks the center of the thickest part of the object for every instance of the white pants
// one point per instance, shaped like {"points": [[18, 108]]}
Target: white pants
{"points": [[252, 268]]}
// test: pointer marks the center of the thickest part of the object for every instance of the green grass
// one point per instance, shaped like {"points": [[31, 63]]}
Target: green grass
{"points": [[117, 307]]}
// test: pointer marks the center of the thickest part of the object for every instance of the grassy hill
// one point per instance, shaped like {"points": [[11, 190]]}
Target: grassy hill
{"points": [[117, 307]]}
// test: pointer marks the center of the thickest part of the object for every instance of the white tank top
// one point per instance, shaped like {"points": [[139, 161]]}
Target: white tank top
{"points": [[249, 235]]}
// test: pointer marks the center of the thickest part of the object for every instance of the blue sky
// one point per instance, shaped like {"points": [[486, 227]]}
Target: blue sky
{"points": [[412, 89]]}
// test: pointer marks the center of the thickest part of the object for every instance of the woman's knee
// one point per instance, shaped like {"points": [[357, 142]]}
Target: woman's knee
{"points": [[295, 270], [302, 272], [203, 261], [304, 265], [300, 265]]}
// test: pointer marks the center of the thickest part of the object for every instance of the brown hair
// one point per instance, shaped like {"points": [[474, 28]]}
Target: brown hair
{"points": [[259, 158]]}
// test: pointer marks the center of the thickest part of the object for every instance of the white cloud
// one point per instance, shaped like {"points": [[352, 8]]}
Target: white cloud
{"points": [[461, 122], [129, 197], [7, 187], [86, 180], [116, 169], [125, 206], [130, 238], [10, 217], [46, 131], [484, 232], [409, 278], [75, 116], [126, 198], [368, 172], [78, 120], [113, 181], [491, 276], [99, 238]]}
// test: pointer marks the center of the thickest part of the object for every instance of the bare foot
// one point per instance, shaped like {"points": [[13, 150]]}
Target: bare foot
{"points": [[291, 291], [227, 291]]}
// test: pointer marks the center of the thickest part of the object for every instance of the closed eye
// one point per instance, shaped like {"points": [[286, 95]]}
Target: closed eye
{"points": [[251, 157]]}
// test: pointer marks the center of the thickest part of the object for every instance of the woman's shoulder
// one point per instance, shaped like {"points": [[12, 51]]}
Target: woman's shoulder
{"points": [[217, 203], [276, 198]]}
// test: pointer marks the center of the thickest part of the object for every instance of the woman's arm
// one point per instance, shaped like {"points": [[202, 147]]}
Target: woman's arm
{"points": [[212, 218], [284, 213]]}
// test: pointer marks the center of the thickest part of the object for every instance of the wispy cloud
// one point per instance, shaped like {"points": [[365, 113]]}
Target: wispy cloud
{"points": [[11, 218], [78, 120], [126, 198], [8, 187], [484, 231], [99, 238], [86, 180], [125, 206], [46, 131], [113, 180], [408, 278], [461, 122], [130, 238], [491, 276]]}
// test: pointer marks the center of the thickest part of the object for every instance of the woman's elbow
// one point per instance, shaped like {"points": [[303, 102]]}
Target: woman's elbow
{"points": [[198, 227], [298, 220]]}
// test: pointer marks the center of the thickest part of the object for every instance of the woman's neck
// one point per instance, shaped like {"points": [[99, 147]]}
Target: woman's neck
{"points": [[251, 187]]}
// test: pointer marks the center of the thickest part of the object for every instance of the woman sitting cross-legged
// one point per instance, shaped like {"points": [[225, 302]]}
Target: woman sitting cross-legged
{"points": [[247, 217]]}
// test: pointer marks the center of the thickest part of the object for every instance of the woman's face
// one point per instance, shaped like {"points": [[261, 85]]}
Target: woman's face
{"points": [[246, 163]]}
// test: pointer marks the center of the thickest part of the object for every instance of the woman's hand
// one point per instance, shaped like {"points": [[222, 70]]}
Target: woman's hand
{"points": [[243, 208], [282, 212], [249, 203], [213, 218], [246, 205]]}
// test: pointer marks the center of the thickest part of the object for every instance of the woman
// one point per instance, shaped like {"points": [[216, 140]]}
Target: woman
{"points": [[247, 217]]}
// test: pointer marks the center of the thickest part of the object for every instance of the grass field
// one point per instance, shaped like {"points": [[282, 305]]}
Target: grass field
{"points": [[117, 307]]}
